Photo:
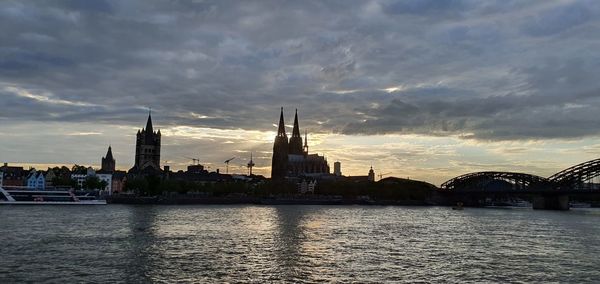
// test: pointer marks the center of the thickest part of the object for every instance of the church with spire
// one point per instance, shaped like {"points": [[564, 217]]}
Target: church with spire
{"points": [[147, 150], [291, 157], [108, 162]]}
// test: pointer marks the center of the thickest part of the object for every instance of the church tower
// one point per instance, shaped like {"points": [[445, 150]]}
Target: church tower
{"points": [[296, 139], [371, 176], [147, 148], [108, 162], [280, 151]]}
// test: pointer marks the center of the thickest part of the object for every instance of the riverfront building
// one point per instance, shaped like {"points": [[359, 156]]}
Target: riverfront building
{"points": [[82, 176], [13, 176], [36, 180], [291, 158]]}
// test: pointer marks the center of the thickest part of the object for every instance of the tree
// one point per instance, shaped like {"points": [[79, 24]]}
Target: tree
{"points": [[103, 184], [93, 182], [78, 169], [64, 181], [139, 185]]}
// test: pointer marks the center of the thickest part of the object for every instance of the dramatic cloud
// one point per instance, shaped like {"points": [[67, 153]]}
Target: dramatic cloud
{"points": [[467, 70]]}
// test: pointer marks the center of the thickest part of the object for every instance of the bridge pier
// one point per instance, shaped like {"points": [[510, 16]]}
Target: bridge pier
{"points": [[551, 202]]}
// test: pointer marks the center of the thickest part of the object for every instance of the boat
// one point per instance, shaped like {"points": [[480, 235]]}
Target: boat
{"points": [[517, 203], [48, 197], [458, 206], [580, 205]]}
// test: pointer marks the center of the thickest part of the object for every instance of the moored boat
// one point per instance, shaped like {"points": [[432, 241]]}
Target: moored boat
{"points": [[47, 197]]}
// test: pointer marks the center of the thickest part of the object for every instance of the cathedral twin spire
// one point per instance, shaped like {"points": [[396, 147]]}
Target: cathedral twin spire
{"points": [[290, 157], [296, 131], [295, 142]]}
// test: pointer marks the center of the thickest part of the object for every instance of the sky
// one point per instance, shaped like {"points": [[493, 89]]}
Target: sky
{"points": [[423, 89]]}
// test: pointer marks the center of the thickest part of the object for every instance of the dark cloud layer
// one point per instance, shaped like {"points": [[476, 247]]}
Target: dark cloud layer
{"points": [[492, 70]]}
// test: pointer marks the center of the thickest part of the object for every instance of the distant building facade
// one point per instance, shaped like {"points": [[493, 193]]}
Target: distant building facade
{"points": [[118, 181], [108, 179], [13, 176], [81, 177], [306, 187], [147, 150], [337, 169], [196, 169], [50, 176], [36, 180], [291, 158]]}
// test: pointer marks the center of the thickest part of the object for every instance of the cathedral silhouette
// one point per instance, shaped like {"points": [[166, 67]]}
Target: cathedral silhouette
{"points": [[291, 158]]}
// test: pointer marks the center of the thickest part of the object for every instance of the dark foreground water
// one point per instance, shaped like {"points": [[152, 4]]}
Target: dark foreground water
{"points": [[119, 243]]}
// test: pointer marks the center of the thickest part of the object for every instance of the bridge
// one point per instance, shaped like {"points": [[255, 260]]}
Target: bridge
{"points": [[576, 177], [547, 193]]}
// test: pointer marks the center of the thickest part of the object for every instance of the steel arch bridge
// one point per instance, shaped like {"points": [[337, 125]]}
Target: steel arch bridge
{"points": [[575, 176], [479, 181]]}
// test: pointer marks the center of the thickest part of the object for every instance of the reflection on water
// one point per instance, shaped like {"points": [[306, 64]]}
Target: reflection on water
{"points": [[139, 253], [296, 244]]}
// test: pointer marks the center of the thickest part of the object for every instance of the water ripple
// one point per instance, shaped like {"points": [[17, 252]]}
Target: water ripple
{"points": [[296, 244]]}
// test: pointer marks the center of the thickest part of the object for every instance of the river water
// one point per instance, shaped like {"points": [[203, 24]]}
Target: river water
{"points": [[207, 244]]}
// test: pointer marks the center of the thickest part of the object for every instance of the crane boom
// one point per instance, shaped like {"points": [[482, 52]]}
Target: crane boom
{"points": [[227, 165], [381, 175], [194, 160]]}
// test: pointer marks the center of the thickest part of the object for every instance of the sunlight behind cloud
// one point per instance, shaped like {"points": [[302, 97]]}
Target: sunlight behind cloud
{"points": [[44, 97]]}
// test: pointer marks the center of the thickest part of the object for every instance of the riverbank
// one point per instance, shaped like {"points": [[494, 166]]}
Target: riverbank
{"points": [[187, 200]]}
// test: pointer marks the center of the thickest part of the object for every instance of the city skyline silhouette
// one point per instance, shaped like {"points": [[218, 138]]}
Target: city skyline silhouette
{"points": [[419, 89]]}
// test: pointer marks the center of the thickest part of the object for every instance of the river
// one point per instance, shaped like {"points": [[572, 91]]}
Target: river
{"points": [[237, 243]]}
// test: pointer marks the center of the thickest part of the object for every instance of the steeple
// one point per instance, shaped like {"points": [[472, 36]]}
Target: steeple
{"points": [[109, 155], [296, 131], [305, 142], [296, 139], [149, 122], [281, 129], [108, 162], [280, 151]]}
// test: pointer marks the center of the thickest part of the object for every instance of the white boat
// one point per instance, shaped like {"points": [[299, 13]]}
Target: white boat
{"points": [[579, 205], [47, 197]]}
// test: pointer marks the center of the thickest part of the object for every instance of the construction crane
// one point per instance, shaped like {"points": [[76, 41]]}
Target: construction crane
{"points": [[250, 165], [382, 175], [194, 161], [227, 165]]}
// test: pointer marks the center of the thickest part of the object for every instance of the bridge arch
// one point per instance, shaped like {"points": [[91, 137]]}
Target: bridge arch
{"points": [[576, 175], [489, 180]]}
